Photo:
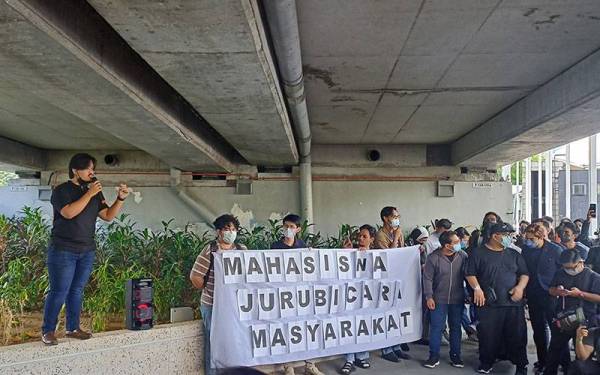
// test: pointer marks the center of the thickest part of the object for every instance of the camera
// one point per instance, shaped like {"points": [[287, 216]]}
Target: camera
{"points": [[569, 320]]}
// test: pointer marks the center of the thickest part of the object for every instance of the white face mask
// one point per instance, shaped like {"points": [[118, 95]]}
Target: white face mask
{"points": [[229, 236], [290, 233], [395, 223]]}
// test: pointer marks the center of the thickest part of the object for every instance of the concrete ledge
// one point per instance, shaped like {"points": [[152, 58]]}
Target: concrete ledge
{"points": [[166, 349]]}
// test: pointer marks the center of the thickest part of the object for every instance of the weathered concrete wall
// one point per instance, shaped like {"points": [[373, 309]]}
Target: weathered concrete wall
{"points": [[167, 349], [335, 202]]}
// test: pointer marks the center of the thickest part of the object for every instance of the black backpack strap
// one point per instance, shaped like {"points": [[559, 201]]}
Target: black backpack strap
{"points": [[211, 266]]}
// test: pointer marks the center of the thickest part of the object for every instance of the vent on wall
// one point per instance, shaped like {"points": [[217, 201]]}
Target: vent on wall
{"points": [[243, 187], [445, 189]]}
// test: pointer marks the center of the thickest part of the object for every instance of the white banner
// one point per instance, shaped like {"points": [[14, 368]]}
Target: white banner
{"points": [[278, 306]]}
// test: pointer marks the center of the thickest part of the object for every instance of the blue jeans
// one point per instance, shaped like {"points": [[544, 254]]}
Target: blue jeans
{"points": [[206, 312], [438, 323], [353, 356], [68, 274]]}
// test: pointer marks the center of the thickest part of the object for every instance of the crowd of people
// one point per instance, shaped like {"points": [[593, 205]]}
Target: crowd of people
{"points": [[483, 282], [486, 282]]}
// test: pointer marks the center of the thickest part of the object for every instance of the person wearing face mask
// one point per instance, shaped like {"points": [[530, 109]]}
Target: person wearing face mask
{"points": [[292, 224], [498, 275], [542, 259], [574, 286], [202, 274], [419, 236], [568, 238], [366, 238], [390, 235], [77, 204], [433, 242], [443, 277]]}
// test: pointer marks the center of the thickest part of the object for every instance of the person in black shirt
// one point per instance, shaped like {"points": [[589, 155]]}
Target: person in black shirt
{"points": [[498, 276], [575, 286], [587, 343], [76, 204], [292, 225]]}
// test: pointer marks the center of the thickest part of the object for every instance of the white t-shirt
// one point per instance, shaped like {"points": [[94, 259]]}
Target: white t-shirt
{"points": [[433, 243]]}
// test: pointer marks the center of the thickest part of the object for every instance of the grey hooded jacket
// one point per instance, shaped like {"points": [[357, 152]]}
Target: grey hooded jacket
{"points": [[443, 279]]}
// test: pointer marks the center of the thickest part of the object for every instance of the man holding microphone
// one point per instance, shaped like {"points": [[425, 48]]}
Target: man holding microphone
{"points": [[76, 205]]}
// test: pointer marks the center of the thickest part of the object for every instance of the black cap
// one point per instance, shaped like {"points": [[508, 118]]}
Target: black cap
{"points": [[502, 228]]}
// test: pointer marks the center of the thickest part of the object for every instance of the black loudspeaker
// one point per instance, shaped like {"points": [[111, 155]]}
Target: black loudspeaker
{"points": [[139, 310]]}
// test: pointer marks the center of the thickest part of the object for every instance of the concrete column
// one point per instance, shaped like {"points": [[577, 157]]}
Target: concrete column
{"points": [[518, 198], [528, 189], [568, 181], [306, 197], [593, 180], [539, 189], [549, 163]]}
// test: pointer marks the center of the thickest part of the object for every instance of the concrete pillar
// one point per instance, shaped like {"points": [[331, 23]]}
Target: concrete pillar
{"points": [[306, 197], [539, 189], [568, 181], [593, 180], [528, 189], [518, 198], [549, 164]]}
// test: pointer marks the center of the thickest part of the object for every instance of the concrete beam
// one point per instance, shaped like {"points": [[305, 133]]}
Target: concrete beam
{"points": [[565, 109], [22, 155], [80, 29]]}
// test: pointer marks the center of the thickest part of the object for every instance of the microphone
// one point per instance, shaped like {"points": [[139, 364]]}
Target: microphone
{"points": [[92, 180]]}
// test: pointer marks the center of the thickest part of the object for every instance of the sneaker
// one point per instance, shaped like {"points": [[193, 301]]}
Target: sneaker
{"points": [[347, 368], [288, 369], [405, 347], [49, 339], [311, 369], [457, 362], [402, 355], [391, 356], [521, 370], [432, 362], [484, 369], [79, 334]]}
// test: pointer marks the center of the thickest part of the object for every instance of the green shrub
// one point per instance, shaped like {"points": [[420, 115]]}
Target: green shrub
{"points": [[123, 252]]}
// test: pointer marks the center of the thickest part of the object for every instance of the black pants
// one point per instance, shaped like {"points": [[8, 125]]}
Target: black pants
{"points": [[502, 329], [541, 312], [588, 367], [556, 356]]}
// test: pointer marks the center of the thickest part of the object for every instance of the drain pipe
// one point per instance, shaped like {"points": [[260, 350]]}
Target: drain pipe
{"points": [[204, 212], [283, 24]]}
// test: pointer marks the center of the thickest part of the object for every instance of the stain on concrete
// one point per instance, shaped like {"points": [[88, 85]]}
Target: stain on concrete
{"points": [[359, 111], [322, 74], [552, 19], [343, 98], [595, 18], [530, 11]]}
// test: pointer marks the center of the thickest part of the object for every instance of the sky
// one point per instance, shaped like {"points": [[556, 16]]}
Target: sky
{"points": [[579, 152]]}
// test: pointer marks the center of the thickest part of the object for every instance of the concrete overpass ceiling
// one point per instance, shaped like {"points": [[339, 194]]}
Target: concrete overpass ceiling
{"points": [[432, 71], [213, 53], [52, 100]]}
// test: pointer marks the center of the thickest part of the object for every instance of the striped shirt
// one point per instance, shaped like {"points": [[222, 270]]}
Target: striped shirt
{"points": [[202, 267]]}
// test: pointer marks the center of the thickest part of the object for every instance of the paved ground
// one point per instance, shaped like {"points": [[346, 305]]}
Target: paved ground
{"points": [[420, 354]]}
